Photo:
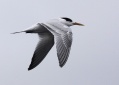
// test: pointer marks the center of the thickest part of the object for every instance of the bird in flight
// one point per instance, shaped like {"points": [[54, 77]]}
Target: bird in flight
{"points": [[53, 31]]}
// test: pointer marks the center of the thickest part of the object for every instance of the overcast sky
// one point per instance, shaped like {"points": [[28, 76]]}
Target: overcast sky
{"points": [[94, 57]]}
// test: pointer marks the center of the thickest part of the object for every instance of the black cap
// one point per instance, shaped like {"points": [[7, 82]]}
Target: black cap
{"points": [[67, 19]]}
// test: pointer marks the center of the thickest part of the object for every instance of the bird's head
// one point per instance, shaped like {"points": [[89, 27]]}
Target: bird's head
{"points": [[69, 22]]}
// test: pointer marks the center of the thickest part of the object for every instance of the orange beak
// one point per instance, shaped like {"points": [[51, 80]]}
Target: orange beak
{"points": [[75, 23]]}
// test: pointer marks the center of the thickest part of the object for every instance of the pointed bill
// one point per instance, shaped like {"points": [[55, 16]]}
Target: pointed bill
{"points": [[76, 23]]}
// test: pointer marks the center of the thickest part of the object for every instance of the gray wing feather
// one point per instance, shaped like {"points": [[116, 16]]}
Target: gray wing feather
{"points": [[45, 44], [63, 40], [63, 45]]}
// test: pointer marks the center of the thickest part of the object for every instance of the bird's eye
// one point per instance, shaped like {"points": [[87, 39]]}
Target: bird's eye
{"points": [[67, 19]]}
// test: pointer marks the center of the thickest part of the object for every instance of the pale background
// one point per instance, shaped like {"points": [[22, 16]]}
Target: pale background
{"points": [[94, 58]]}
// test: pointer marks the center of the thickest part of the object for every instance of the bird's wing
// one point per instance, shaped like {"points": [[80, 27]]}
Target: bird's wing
{"points": [[63, 39], [45, 44], [63, 45]]}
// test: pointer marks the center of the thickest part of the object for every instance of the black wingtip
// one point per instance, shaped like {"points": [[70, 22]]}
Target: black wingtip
{"points": [[61, 66], [30, 68]]}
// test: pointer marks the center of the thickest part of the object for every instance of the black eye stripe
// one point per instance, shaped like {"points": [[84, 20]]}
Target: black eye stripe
{"points": [[67, 19]]}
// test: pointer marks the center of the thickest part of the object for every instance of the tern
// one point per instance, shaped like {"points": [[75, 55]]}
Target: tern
{"points": [[53, 31]]}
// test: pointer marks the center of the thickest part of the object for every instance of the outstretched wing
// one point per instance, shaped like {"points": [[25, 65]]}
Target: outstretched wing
{"points": [[63, 45], [45, 44], [63, 38]]}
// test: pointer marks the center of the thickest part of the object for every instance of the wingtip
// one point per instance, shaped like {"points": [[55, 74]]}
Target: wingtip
{"points": [[61, 66], [29, 69]]}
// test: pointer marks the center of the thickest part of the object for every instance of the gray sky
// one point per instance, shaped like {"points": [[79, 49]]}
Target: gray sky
{"points": [[94, 57]]}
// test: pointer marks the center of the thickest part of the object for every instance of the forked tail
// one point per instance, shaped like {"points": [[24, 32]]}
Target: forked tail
{"points": [[16, 32]]}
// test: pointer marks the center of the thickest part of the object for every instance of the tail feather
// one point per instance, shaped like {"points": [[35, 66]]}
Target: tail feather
{"points": [[16, 32]]}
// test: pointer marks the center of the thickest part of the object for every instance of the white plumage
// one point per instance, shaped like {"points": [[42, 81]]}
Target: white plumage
{"points": [[54, 31]]}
